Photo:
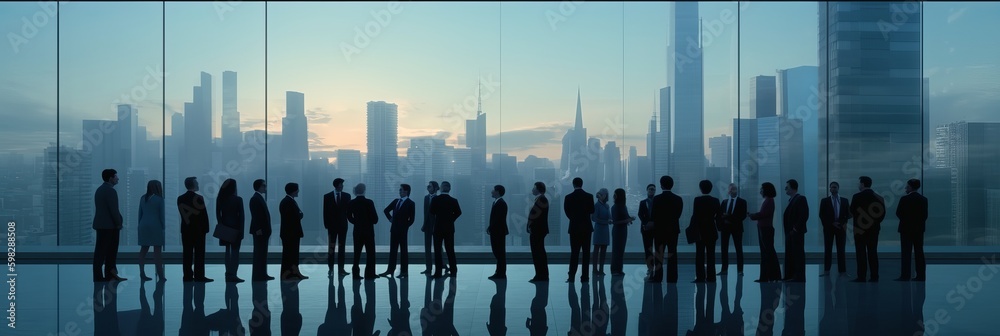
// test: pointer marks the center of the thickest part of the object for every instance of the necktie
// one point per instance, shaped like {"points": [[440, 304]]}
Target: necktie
{"points": [[399, 203], [732, 201], [836, 208], [338, 198]]}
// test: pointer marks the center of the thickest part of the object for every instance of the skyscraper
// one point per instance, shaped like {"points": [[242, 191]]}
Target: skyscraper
{"points": [[634, 180], [75, 195], [722, 153], [475, 136], [198, 129], [382, 177], [684, 77], [663, 145], [973, 175], [574, 145], [613, 176], [294, 129], [349, 165], [762, 97], [231, 135]]}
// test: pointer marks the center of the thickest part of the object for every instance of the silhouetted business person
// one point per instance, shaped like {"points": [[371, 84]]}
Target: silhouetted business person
{"points": [[538, 228], [151, 228], [335, 208], [770, 270], [578, 206], [194, 226], [734, 212], [400, 213], [647, 228], [704, 216], [108, 224], [229, 212], [291, 234], [868, 211], [446, 210], [362, 214], [428, 227], [834, 214], [667, 208], [497, 229], [260, 228], [912, 214], [795, 217]]}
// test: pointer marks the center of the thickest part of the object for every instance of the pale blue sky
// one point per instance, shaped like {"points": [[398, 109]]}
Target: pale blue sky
{"points": [[428, 58]]}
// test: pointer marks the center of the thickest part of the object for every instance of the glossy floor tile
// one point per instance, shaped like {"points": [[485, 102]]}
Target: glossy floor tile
{"points": [[62, 300]]}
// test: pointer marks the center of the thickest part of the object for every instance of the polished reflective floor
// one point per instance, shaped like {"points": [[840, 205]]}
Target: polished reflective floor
{"points": [[62, 300]]}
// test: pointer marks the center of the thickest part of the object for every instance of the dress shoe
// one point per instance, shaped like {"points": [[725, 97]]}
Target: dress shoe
{"points": [[203, 279], [116, 278], [426, 272], [760, 280], [144, 277], [534, 280], [859, 280], [827, 273], [497, 277], [721, 273], [261, 278], [386, 274], [234, 279], [618, 274], [920, 278], [902, 278], [698, 281]]}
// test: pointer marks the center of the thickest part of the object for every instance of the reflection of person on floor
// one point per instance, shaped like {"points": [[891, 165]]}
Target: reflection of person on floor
{"points": [[291, 318], [151, 322], [260, 320], [364, 321], [336, 311], [795, 309], [106, 308], [193, 320], [537, 324], [619, 312], [497, 324], [704, 310], [731, 322], [399, 313]]}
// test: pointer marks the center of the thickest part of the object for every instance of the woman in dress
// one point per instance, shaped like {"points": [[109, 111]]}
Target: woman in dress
{"points": [[229, 212], [619, 233], [151, 228], [602, 230], [769, 269]]}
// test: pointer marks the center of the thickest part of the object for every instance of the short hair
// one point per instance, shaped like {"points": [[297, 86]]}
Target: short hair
{"points": [[603, 191], [793, 184], [768, 190], [291, 187], [338, 182], [913, 183], [445, 186], [834, 183], [360, 189], [434, 185], [257, 183], [619, 196], [405, 187], [666, 182], [577, 182], [107, 174], [500, 189], [705, 186], [540, 186], [865, 181], [189, 182], [650, 185]]}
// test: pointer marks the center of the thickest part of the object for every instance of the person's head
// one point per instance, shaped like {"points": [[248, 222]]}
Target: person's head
{"points": [[432, 187], [292, 189], [666, 182], [110, 176], [404, 190], [153, 187], [705, 186], [864, 182], [359, 190], [577, 183], [619, 196], [602, 195], [498, 191], [338, 184], [227, 189], [538, 189], [191, 183], [767, 190], [912, 185], [445, 187], [791, 187], [733, 190], [260, 186], [650, 190], [834, 188]]}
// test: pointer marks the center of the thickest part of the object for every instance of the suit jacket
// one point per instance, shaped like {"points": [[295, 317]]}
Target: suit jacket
{"points": [[645, 215], [912, 213], [335, 214], [498, 219], [106, 212], [230, 213], [733, 222], [362, 214], [826, 215], [704, 216], [538, 217], [868, 211], [667, 208], [446, 210], [260, 216], [428, 226], [765, 217], [402, 219], [578, 206], [194, 215], [291, 218], [796, 214]]}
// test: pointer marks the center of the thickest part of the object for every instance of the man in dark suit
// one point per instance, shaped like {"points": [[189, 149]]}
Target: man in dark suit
{"points": [[705, 216], [428, 227], [667, 208], [498, 232], [108, 224], [362, 214], [795, 217], [335, 220], [646, 218], [912, 214], [400, 213], [291, 234], [538, 228], [578, 206], [734, 212], [834, 214], [868, 211], [194, 226], [446, 210], [260, 228]]}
